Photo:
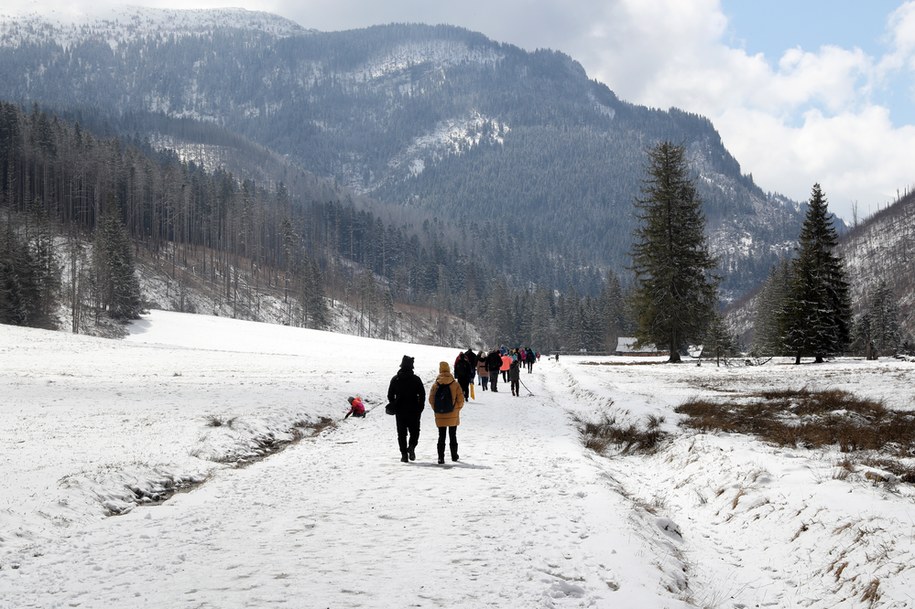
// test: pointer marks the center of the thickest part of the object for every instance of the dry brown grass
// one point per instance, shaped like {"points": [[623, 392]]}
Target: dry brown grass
{"points": [[872, 592], [808, 419], [607, 431], [905, 473]]}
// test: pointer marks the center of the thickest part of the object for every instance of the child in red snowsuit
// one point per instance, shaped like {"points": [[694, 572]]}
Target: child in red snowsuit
{"points": [[357, 408]]}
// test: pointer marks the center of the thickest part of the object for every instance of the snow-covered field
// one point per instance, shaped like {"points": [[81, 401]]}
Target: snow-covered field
{"points": [[527, 518]]}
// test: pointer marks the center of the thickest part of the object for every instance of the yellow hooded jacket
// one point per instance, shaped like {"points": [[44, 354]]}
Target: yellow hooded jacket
{"points": [[453, 418]]}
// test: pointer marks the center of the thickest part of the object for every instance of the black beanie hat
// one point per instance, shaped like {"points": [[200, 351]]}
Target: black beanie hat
{"points": [[406, 363]]}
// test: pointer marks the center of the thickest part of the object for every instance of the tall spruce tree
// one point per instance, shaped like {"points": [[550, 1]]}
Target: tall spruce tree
{"points": [[876, 330], [817, 311], [612, 312], [768, 330], [675, 290], [117, 286]]}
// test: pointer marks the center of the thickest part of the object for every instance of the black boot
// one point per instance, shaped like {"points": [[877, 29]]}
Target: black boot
{"points": [[411, 452], [403, 456], [454, 455], [441, 452]]}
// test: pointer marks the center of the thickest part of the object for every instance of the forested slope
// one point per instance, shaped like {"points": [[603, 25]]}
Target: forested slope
{"points": [[519, 153]]}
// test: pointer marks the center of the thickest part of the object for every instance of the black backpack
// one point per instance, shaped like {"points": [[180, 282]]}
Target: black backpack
{"points": [[462, 369], [443, 403]]}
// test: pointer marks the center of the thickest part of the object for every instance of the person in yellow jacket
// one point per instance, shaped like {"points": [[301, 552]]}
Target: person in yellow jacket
{"points": [[447, 421]]}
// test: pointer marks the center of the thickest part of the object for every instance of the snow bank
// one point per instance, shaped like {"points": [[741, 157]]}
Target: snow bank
{"points": [[91, 428]]}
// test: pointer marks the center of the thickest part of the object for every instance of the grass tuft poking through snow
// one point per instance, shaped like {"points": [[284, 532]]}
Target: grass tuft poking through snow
{"points": [[600, 435], [809, 419]]}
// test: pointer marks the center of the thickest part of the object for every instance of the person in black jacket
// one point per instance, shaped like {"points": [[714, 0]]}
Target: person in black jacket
{"points": [[463, 372], [494, 362], [514, 377], [407, 395], [472, 358]]}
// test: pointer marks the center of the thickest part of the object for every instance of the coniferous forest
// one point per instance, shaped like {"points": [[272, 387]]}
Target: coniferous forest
{"points": [[416, 176], [96, 207]]}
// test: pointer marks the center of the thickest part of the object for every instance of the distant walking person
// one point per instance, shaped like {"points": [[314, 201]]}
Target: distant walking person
{"points": [[514, 378], [447, 421], [483, 371], [472, 358], [493, 363], [463, 372], [406, 394], [506, 362]]}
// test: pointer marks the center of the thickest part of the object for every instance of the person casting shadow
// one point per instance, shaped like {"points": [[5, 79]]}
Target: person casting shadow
{"points": [[405, 394], [447, 421]]}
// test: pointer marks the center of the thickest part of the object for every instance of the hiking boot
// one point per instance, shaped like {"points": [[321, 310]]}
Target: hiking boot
{"points": [[441, 460], [403, 457], [412, 454]]}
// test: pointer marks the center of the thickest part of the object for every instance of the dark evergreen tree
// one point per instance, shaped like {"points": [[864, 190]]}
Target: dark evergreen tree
{"points": [[47, 270], [817, 314], [311, 296], [768, 328], [543, 334], [876, 330], [612, 312], [719, 341], [675, 290], [116, 283], [29, 275], [498, 318], [388, 319], [15, 279]]}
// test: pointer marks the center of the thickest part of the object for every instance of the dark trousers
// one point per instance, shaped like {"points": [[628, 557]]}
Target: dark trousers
{"points": [[484, 381], [407, 423], [516, 387], [465, 387], [494, 380], [452, 432]]}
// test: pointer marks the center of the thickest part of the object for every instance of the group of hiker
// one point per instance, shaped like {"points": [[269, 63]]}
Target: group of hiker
{"points": [[508, 364], [407, 397]]}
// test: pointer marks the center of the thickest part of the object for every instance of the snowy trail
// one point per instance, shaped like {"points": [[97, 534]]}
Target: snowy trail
{"points": [[525, 519], [528, 518]]}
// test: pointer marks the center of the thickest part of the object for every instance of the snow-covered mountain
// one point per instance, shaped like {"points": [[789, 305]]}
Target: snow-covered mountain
{"points": [[882, 248], [515, 150], [123, 24]]}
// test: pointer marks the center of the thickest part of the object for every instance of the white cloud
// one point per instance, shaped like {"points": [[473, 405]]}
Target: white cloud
{"points": [[857, 157], [806, 117]]}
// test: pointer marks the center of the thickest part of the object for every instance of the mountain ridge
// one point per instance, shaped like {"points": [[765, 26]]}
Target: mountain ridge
{"points": [[512, 147]]}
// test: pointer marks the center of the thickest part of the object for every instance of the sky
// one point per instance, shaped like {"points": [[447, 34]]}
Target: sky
{"points": [[819, 91]]}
